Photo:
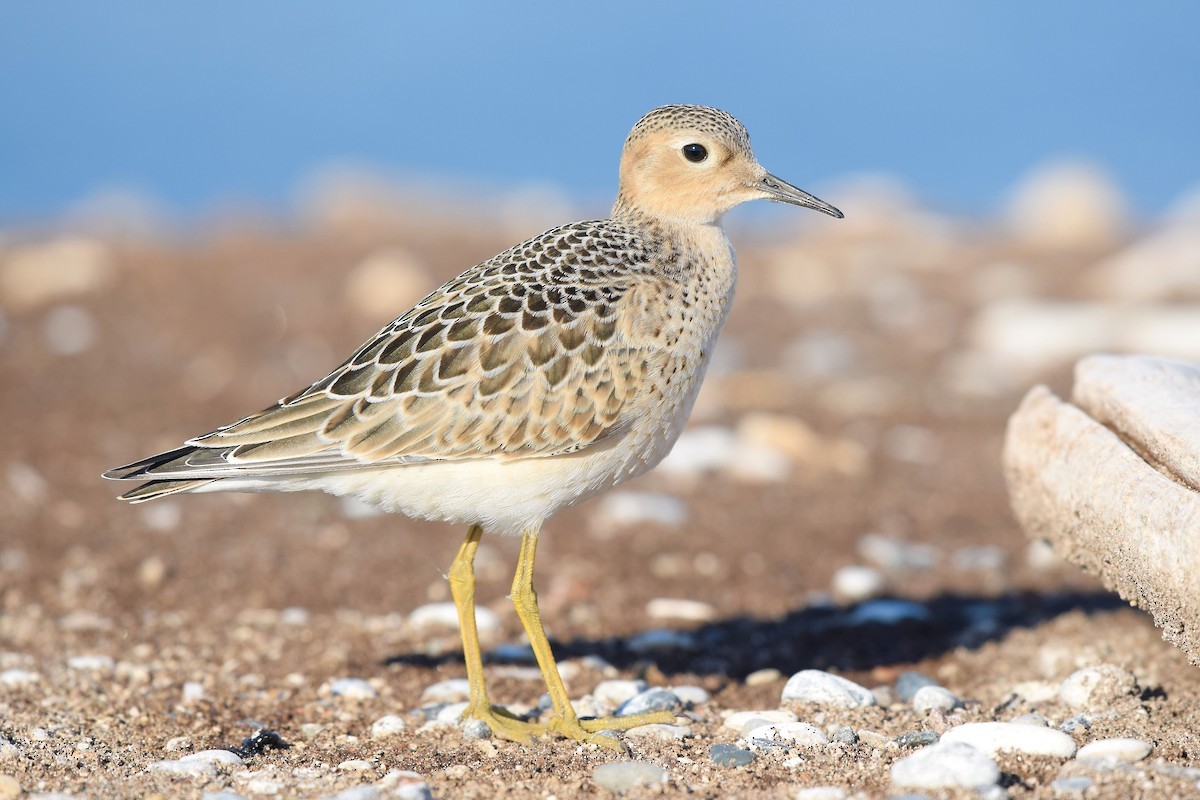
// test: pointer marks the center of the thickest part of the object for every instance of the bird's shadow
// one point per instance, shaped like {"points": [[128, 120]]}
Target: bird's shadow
{"points": [[875, 633]]}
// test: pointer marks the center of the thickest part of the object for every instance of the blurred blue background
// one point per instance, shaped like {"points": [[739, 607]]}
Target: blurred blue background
{"points": [[199, 105]]}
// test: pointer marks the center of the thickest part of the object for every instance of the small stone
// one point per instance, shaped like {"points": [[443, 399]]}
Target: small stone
{"points": [[946, 765], [661, 640], [913, 739], [873, 739], [1071, 786], [909, 682], [895, 555], [621, 776], [787, 734], [885, 696], [311, 730], [221, 796], [726, 755], [1080, 723], [69, 330], [650, 700], [738, 720], [615, 692], [181, 767], [355, 765], [91, 663], [414, 791], [823, 688], [691, 696], [1094, 687], [929, 698], [387, 279], [18, 677], [679, 609], [845, 735], [450, 691], [856, 583], [476, 729], [352, 689], [625, 509], [1128, 751], [445, 616], [10, 787], [178, 744], [388, 725], [658, 730], [214, 757], [761, 677], [355, 793], [1036, 691], [822, 793], [193, 692], [1032, 719], [995, 737], [451, 713]]}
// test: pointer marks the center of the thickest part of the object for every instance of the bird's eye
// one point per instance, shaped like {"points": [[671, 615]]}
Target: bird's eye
{"points": [[695, 153]]}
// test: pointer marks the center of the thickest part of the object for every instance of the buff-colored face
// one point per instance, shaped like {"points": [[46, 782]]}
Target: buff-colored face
{"points": [[693, 163]]}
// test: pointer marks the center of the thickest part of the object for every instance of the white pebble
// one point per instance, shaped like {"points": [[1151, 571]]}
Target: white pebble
{"points": [[995, 737], [181, 767], [452, 712], [761, 677], [177, 744], [799, 734], [214, 757], [352, 689], [1097, 686], [69, 330], [675, 608], [823, 688], [449, 691], [945, 765], [739, 719], [928, 698], [895, 555], [388, 725], [161, 516], [18, 677], [193, 692], [658, 730], [615, 692], [621, 776], [1036, 691], [856, 583], [627, 509], [91, 663], [822, 793], [355, 765], [1125, 750], [691, 695], [445, 615], [700, 449]]}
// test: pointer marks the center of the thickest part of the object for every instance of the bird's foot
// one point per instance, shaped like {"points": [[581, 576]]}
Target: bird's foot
{"points": [[503, 724], [587, 730]]}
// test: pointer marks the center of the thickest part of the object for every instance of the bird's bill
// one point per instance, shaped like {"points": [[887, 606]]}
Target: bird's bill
{"points": [[783, 192]]}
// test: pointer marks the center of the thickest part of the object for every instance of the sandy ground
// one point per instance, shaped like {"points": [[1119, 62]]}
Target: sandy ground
{"points": [[131, 635]]}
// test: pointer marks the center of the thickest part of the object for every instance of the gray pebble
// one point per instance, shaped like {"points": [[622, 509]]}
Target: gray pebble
{"points": [[823, 688], [909, 682], [1032, 719], [691, 696], [1071, 786], [476, 729], [929, 698], [914, 739], [650, 700], [1080, 723], [352, 689], [845, 735], [615, 692], [622, 776], [885, 696], [726, 755]]}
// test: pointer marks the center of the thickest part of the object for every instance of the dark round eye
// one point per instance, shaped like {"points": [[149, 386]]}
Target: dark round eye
{"points": [[695, 153]]}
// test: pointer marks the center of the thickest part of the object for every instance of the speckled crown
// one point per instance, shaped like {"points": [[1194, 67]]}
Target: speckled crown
{"points": [[712, 121]]}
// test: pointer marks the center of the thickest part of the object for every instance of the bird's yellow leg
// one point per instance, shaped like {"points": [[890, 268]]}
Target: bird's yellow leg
{"points": [[462, 588], [564, 721]]}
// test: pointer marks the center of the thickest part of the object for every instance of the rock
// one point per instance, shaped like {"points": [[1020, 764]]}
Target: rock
{"points": [[845, 735], [202, 763], [1032, 719], [1128, 751], [658, 730], [996, 737], [352, 689], [1120, 518], [691, 696], [10, 787], [946, 765], [726, 755], [615, 692], [356, 765], [738, 720], [686, 610], [445, 616], [787, 734], [914, 739], [388, 725], [1067, 205], [908, 683], [91, 663], [761, 677], [823, 688], [18, 677], [699, 449], [178, 744], [1163, 266], [621, 776], [451, 713], [873, 739], [929, 698], [69, 330], [856, 583], [650, 700], [476, 729], [448, 691], [1071, 787], [1080, 723], [1036, 691], [1096, 687], [626, 509], [885, 696]]}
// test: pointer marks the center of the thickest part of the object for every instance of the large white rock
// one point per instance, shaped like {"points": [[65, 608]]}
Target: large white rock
{"points": [[997, 737], [946, 765], [823, 688]]}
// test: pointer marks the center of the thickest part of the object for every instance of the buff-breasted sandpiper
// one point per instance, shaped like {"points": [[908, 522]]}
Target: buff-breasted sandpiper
{"points": [[551, 372]]}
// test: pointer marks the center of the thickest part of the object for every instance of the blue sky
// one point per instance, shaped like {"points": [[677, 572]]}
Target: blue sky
{"points": [[201, 104]]}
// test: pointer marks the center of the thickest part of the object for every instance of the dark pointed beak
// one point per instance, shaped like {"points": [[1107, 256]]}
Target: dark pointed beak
{"points": [[784, 192]]}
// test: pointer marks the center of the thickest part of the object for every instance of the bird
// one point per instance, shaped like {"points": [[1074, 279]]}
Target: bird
{"points": [[534, 380]]}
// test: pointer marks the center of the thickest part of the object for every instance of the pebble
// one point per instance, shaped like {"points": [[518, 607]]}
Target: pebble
{"points": [[388, 725], [675, 608], [10, 787], [761, 677], [1067, 205], [914, 739], [887, 612], [691, 696], [995, 737], [699, 449], [625, 509], [787, 734], [91, 663], [928, 698], [476, 729], [909, 682], [451, 713], [895, 555], [660, 730], [1093, 687], [1036, 691], [202, 763], [193, 692], [873, 739], [355, 765], [823, 688], [650, 700], [738, 720], [1032, 719], [845, 735], [885, 696], [18, 677], [856, 583], [354, 793], [177, 744], [621, 776], [445, 615], [387, 279], [69, 330], [616, 692], [1128, 751], [1071, 786], [352, 689], [449, 691], [222, 795], [727, 755], [946, 765], [822, 793], [661, 640], [1080, 723]]}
